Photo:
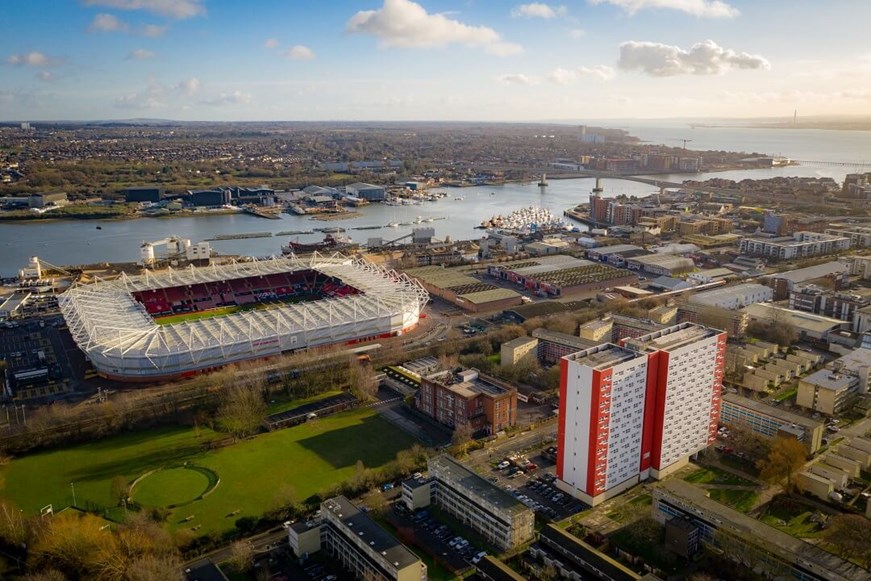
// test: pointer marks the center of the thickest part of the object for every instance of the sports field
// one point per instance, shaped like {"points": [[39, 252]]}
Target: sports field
{"points": [[310, 458], [229, 310]]}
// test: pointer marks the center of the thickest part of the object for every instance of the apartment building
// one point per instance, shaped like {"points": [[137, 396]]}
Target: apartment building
{"points": [[638, 410], [686, 367], [770, 421], [479, 504], [466, 398], [357, 543], [799, 245], [601, 421]]}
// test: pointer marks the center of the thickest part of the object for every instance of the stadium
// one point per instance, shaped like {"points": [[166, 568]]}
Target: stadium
{"points": [[173, 323]]}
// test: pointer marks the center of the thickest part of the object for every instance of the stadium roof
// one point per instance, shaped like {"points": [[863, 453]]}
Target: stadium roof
{"points": [[114, 329]]}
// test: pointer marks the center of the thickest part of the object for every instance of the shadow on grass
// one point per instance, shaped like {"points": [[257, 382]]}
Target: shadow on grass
{"points": [[137, 464], [372, 440]]}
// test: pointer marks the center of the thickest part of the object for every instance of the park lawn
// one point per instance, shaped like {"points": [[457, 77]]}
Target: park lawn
{"points": [[740, 500], [44, 478], [793, 519], [309, 458], [170, 486], [714, 475]]}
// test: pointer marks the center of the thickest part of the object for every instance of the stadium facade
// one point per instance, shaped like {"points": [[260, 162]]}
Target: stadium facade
{"points": [[254, 313]]}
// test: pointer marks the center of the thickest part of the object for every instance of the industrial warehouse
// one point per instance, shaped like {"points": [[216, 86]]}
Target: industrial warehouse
{"points": [[557, 276], [173, 323]]}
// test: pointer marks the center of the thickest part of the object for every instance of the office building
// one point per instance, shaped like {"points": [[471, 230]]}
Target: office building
{"points": [[518, 351], [637, 411], [497, 516], [466, 398]]}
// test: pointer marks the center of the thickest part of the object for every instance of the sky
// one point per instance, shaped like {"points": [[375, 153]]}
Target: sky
{"points": [[440, 60]]}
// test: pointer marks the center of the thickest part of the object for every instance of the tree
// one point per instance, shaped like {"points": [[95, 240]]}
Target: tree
{"points": [[118, 489], [361, 379], [786, 457], [461, 437], [850, 534], [241, 556], [241, 412]]}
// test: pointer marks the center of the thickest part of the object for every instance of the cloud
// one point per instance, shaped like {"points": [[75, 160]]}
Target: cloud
{"points": [[234, 98], [406, 24], [577, 33], [300, 53], [516, 79], [31, 59], [140, 54], [45, 76], [700, 8], [563, 76], [538, 10], [601, 72], [152, 97], [107, 23], [178, 9], [703, 58], [153, 30], [270, 43], [189, 87]]}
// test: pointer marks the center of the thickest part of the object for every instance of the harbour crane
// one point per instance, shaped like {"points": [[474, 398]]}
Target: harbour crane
{"points": [[685, 141]]}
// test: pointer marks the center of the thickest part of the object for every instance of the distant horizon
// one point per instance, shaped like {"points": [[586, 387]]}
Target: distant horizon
{"points": [[800, 119]]}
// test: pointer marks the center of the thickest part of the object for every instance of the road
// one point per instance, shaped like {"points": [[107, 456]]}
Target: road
{"points": [[261, 543]]}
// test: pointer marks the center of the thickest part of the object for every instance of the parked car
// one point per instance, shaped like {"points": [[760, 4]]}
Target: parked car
{"points": [[478, 557], [503, 465]]}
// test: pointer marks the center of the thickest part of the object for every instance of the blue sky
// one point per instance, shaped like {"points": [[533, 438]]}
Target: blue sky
{"points": [[432, 59]]}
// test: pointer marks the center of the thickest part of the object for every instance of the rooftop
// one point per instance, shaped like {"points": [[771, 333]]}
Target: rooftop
{"points": [[820, 562], [798, 319], [563, 338], [769, 410], [828, 379], [604, 356], [519, 342], [468, 383], [489, 295], [616, 249], [446, 468], [745, 290], [672, 338], [812, 272], [379, 540]]}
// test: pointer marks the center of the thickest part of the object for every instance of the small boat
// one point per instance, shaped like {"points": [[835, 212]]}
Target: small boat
{"points": [[99, 227], [393, 225], [459, 198]]}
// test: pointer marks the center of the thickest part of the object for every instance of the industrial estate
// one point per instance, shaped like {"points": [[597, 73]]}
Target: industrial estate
{"points": [[667, 386]]}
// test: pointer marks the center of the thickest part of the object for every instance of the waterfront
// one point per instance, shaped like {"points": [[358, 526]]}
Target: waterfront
{"points": [[80, 242]]}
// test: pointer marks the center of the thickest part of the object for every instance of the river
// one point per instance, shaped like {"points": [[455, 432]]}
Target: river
{"points": [[80, 242]]}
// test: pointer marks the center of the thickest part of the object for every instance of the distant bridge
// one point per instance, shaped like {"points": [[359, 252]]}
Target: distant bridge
{"points": [[859, 165]]}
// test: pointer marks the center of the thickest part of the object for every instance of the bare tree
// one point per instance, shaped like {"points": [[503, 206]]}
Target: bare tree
{"points": [[241, 556], [119, 489], [850, 534], [242, 411]]}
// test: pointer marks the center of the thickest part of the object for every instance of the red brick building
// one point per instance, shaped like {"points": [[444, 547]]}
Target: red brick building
{"points": [[467, 398]]}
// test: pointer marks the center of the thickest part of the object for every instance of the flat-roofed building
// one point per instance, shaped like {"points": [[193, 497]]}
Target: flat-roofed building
{"points": [[661, 264], [773, 553], [827, 391], [770, 421], [357, 543], [687, 364], [497, 516], [553, 345], [799, 245], [492, 569], [734, 297], [468, 399], [519, 351], [152, 195], [575, 559], [809, 326], [598, 330], [601, 422]]}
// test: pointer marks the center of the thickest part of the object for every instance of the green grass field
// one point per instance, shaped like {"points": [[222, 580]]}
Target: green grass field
{"points": [[169, 487], [310, 458], [740, 500], [714, 475]]}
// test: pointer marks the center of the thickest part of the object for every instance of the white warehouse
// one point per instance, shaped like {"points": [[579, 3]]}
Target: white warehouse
{"points": [[734, 297]]}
